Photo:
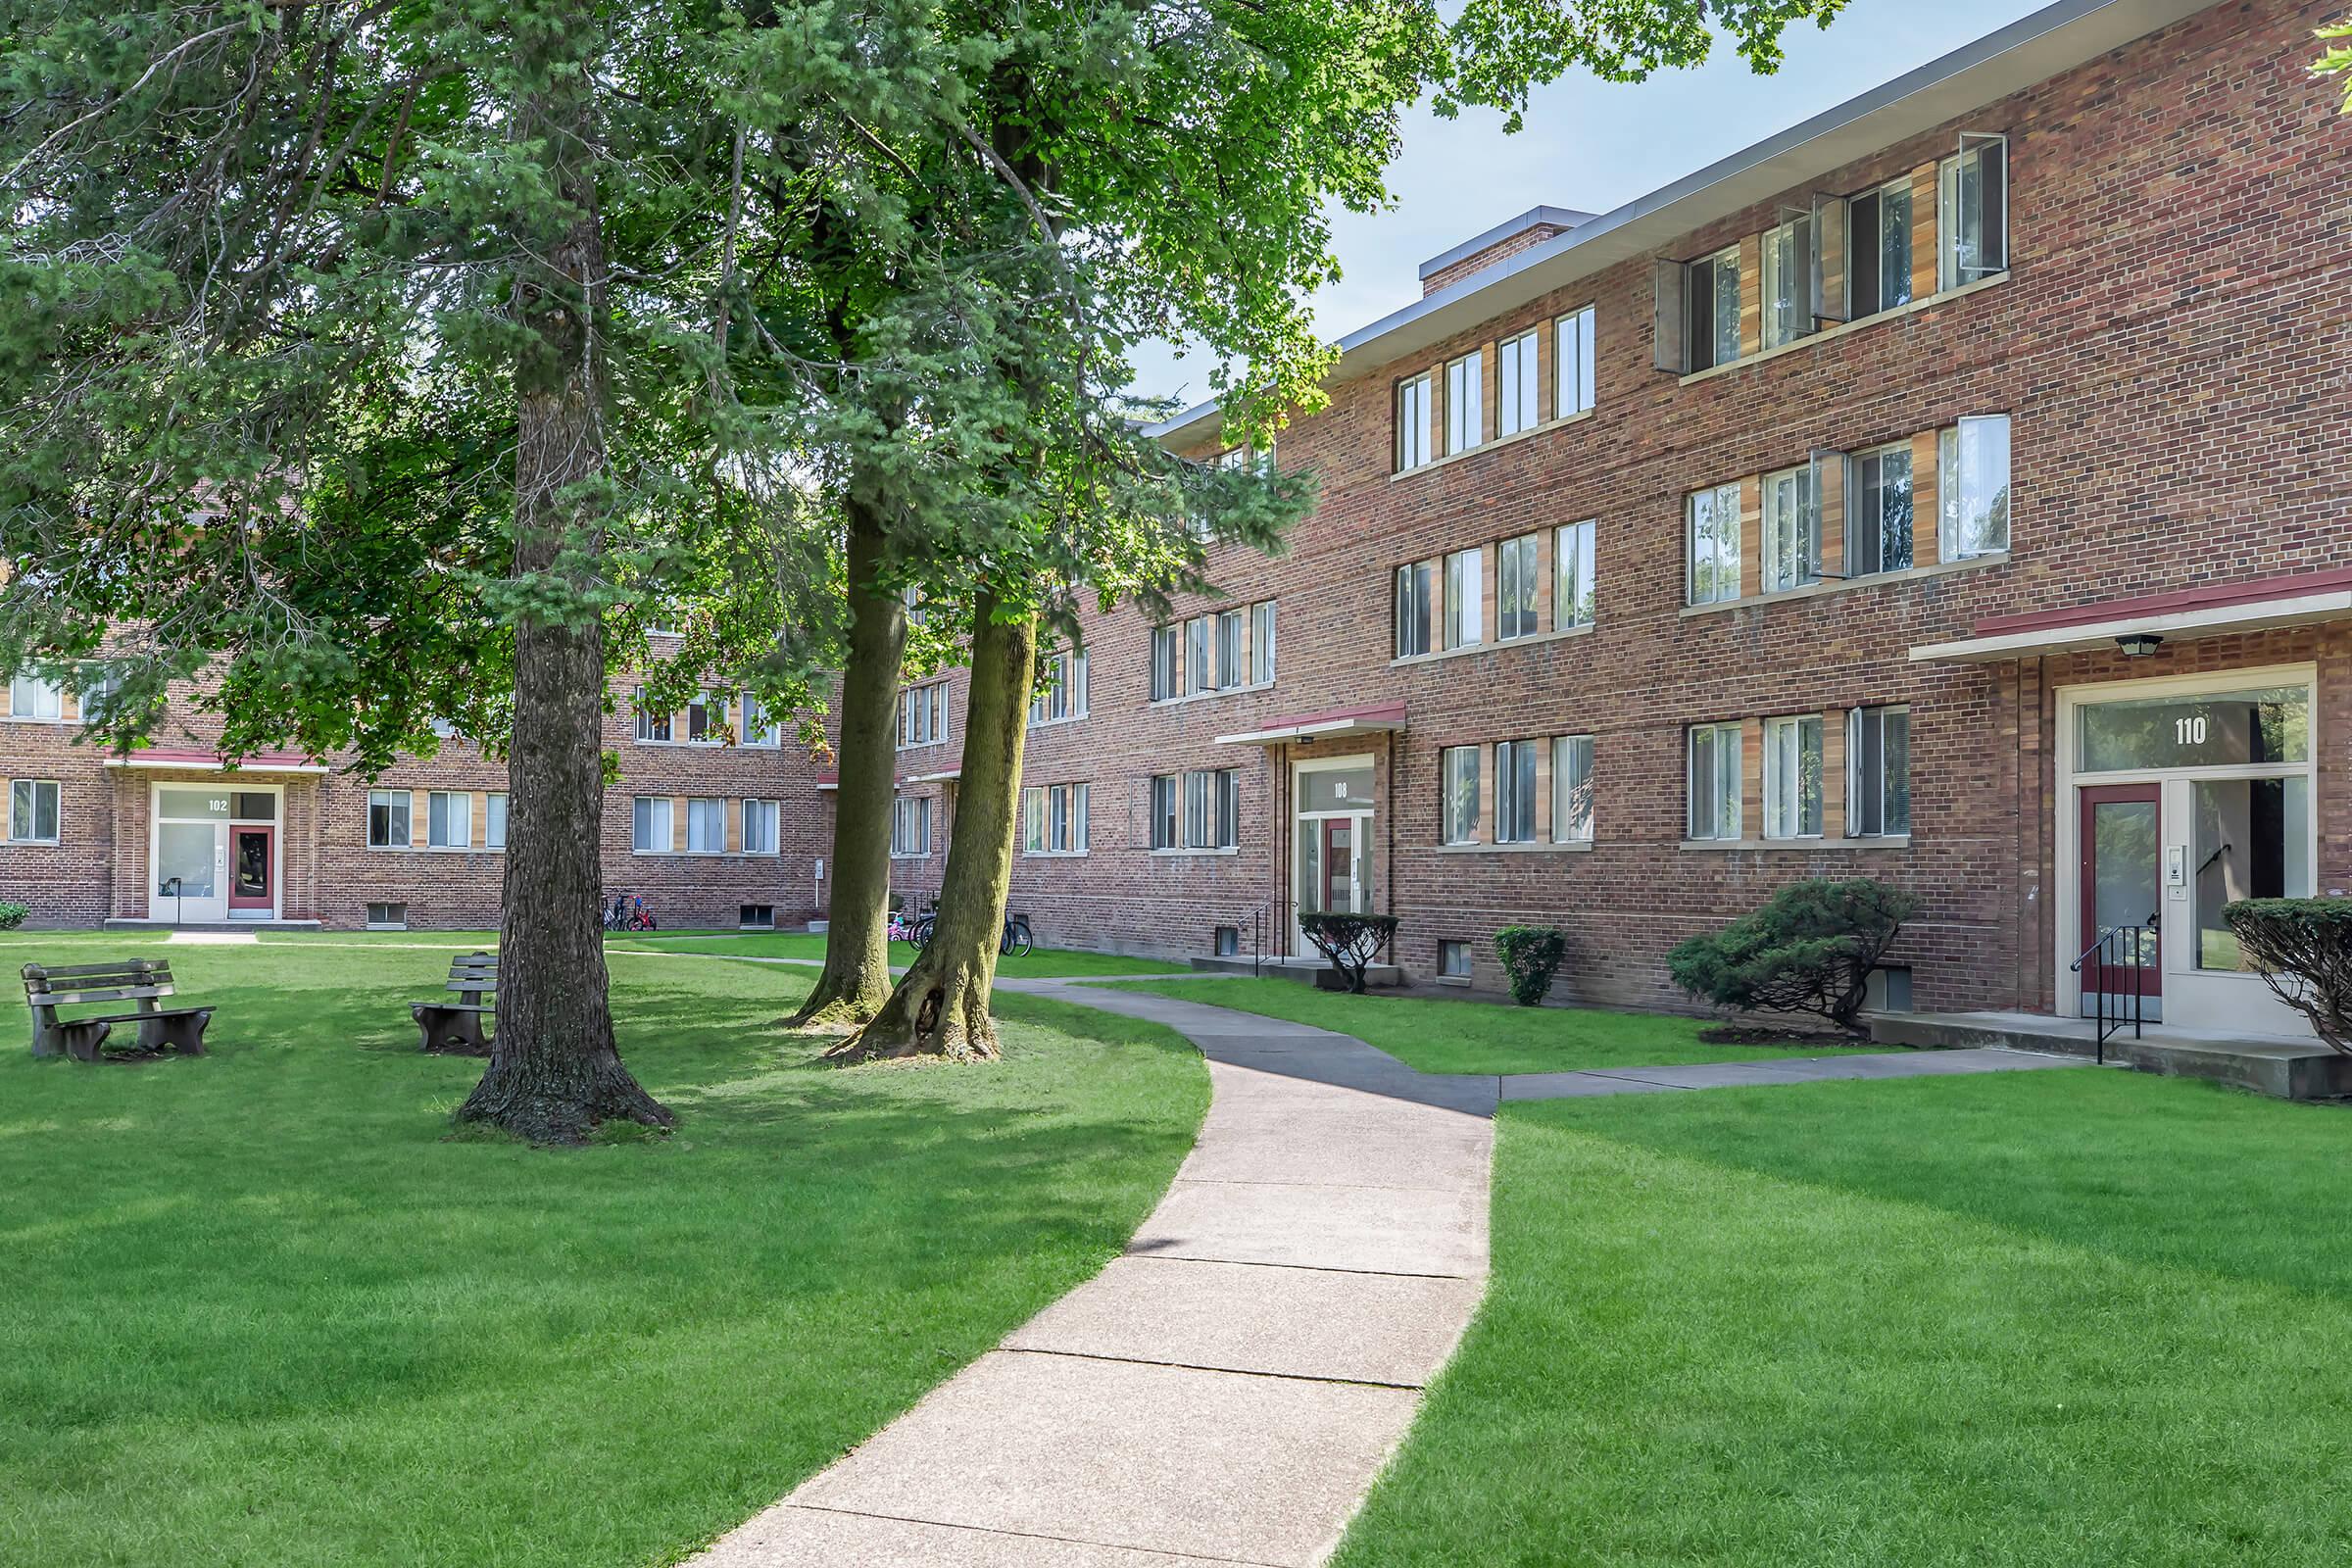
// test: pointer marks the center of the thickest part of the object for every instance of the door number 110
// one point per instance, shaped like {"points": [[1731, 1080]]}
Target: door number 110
{"points": [[2189, 731]]}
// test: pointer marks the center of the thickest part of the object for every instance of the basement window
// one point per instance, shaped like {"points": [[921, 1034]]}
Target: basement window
{"points": [[387, 918], [757, 916], [1454, 960], [1229, 941]]}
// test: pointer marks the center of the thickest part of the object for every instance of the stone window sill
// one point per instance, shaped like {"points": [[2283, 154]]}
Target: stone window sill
{"points": [[1500, 441], [1496, 646], [1840, 329], [1213, 691], [1838, 585], [1798, 846], [1539, 846]]}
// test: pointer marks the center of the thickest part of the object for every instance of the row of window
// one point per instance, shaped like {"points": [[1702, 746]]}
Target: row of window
{"points": [[31, 811], [705, 721], [1878, 777], [923, 715], [1053, 819], [1519, 387], [653, 825], [1441, 602], [1200, 810], [1063, 694], [1521, 792], [910, 827], [1220, 650], [448, 819]]}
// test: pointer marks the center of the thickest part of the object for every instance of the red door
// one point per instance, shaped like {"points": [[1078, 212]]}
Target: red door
{"points": [[2123, 848], [251, 868], [1339, 866]]}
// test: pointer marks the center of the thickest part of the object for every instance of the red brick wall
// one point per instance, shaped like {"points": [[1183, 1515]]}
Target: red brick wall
{"points": [[1527, 239]]}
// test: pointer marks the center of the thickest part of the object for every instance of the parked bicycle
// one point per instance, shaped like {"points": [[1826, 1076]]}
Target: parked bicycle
{"points": [[1017, 941], [630, 913]]}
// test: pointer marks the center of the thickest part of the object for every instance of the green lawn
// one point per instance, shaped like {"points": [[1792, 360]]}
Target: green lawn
{"points": [[2031, 1321], [1045, 963], [1478, 1037], [262, 1309]]}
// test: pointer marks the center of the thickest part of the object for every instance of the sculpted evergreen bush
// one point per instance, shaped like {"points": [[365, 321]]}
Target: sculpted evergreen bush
{"points": [[1350, 942], [2303, 948], [1810, 948], [1530, 956]]}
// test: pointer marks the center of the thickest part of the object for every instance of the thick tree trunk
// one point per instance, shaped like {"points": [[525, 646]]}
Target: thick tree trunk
{"points": [[555, 1071], [855, 981], [940, 1008]]}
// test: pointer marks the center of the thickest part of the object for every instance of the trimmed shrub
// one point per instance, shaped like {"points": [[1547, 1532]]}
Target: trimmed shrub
{"points": [[2303, 949], [1530, 956], [1809, 949], [11, 915], [1349, 941]]}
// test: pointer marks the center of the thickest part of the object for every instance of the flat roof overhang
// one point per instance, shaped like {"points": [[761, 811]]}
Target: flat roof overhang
{"points": [[1381, 720], [2220, 609], [213, 763], [2033, 48]]}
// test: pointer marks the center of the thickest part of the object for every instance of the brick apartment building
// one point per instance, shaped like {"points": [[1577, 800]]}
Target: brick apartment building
{"points": [[1947, 490]]}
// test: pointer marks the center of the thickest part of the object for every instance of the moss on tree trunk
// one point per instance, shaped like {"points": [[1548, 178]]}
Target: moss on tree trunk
{"points": [[940, 1008]]}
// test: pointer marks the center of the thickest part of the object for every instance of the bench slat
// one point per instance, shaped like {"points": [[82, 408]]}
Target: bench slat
{"points": [[469, 985], [139, 1018], [117, 966], [455, 1007], [69, 999]]}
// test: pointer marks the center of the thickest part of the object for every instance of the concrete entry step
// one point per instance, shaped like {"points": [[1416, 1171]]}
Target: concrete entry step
{"points": [[2281, 1066], [1302, 970]]}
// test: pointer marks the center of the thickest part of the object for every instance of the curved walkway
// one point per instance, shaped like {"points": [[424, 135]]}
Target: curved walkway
{"points": [[1226, 1391]]}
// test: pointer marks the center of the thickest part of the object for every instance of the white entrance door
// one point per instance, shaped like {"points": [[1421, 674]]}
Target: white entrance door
{"points": [[1331, 863], [214, 851]]}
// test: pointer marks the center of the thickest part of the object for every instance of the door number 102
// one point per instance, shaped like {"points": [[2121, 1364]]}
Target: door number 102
{"points": [[2189, 731]]}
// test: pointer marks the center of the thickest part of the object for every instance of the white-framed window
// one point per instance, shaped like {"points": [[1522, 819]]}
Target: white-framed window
{"points": [[1972, 211], [1230, 670], [1063, 694], [706, 826], [30, 697], [759, 818], [387, 918], [760, 726], [1880, 511], [1262, 643], [1199, 655], [1572, 789], [706, 717], [1515, 791], [1164, 673], [1878, 772], [1572, 591], [1973, 486], [1454, 960], [1465, 598], [31, 811], [1715, 803], [1519, 385], [1575, 361], [1878, 226], [388, 819], [1197, 811], [448, 820], [1416, 603], [1713, 298], [1457, 794], [1166, 821], [1714, 528], [494, 821], [1518, 580], [911, 828], [651, 726], [1412, 422], [1465, 402], [923, 715], [1792, 784], [1792, 530], [1787, 262], [648, 825], [1053, 819]]}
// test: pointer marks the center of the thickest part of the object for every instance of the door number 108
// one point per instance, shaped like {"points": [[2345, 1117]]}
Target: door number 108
{"points": [[2189, 731]]}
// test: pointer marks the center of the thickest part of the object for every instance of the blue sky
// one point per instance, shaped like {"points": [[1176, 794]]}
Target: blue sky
{"points": [[1594, 145]]}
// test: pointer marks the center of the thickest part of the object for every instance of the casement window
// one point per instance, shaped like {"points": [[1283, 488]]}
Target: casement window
{"points": [[1713, 291], [923, 715], [1197, 811], [1792, 530], [1515, 791], [1972, 483], [1972, 211], [1199, 655], [1233, 459], [388, 819], [1518, 575], [1880, 511], [32, 698], [911, 828], [1163, 662], [1792, 792], [1064, 693], [1457, 794], [759, 727], [760, 819], [31, 811], [706, 717], [1465, 402], [494, 821], [651, 726], [1877, 255], [1166, 831], [1573, 361], [1465, 598], [1412, 422], [1416, 604], [1715, 803], [648, 825], [1714, 528], [1572, 789], [706, 826], [1262, 643], [1229, 648], [1788, 282], [1518, 386], [449, 819], [1572, 593], [1053, 819], [1878, 768]]}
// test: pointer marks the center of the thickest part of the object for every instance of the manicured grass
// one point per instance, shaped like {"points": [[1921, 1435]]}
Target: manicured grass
{"points": [[1045, 963], [1477, 1037], [2009, 1322], [263, 1309]]}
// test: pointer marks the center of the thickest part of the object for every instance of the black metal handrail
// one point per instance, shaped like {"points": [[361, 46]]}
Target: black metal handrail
{"points": [[2109, 951], [1254, 919]]}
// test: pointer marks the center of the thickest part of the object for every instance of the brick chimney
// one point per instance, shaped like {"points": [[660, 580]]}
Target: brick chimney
{"points": [[1497, 245]]}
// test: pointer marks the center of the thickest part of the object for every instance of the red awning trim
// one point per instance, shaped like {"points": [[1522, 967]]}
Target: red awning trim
{"points": [[2205, 595]]}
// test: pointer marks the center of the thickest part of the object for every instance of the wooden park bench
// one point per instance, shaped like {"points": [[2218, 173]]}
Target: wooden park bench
{"points": [[457, 1026], [142, 981]]}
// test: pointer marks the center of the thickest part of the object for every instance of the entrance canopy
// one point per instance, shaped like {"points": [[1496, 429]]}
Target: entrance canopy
{"points": [[2214, 610], [1335, 723], [214, 763]]}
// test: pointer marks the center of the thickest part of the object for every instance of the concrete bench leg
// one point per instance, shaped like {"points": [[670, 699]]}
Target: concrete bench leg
{"points": [[448, 1029], [84, 1041], [183, 1034]]}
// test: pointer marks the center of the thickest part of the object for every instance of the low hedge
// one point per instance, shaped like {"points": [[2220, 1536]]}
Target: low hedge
{"points": [[11, 915], [1530, 956], [2302, 947]]}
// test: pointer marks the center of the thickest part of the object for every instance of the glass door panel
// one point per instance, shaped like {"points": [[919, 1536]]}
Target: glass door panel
{"points": [[2122, 890], [188, 869]]}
